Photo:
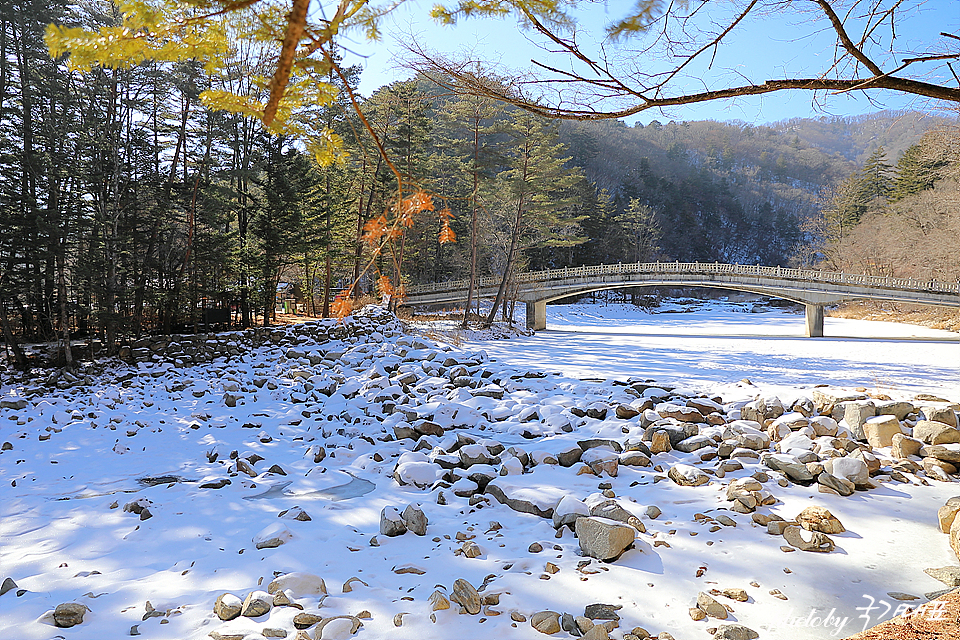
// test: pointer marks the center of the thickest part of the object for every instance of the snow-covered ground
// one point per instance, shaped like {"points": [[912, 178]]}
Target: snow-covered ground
{"points": [[710, 343], [164, 437]]}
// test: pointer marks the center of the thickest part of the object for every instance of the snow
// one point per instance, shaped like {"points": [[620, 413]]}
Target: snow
{"points": [[159, 435]]}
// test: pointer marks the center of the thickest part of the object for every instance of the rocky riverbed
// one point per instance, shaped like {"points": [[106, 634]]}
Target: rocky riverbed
{"points": [[338, 481]]}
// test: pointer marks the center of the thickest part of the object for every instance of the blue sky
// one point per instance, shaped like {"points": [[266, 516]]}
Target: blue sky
{"points": [[780, 45]]}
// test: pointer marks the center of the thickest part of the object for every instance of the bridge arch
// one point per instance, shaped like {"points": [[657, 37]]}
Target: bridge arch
{"points": [[811, 288]]}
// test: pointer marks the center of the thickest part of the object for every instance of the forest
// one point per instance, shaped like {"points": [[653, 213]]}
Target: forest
{"points": [[128, 206]]}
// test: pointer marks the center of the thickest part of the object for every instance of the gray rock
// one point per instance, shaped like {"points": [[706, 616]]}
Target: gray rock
{"points": [[8, 585], [69, 614], [569, 456], [856, 413], [467, 596], [517, 504], [600, 611], [735, 632], [612, 510], [569, 624], [603, 539], [634, 459], [949, 576], [547, 622], [257, 603], [391, 522], [853, 469], [946, 415], [568, 510], [693, 443], [415, 519]]}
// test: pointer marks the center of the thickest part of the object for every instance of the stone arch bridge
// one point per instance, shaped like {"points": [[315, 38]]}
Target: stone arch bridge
{"points": [[814, 289]]}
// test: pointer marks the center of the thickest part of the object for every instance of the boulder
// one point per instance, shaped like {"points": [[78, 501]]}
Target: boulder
{"points": [[945, 452], [818, 542], [856, 414], [853, 469], [899, 409], [880, 430], [935, 432], [568, 510], [711, 607], [660, 442], [602, 538], [949, 576], [955, 537], [817, 518], [415, 519], [538, 501], [902, 446], [391, 522], [272, 536], [946, 415], [735, 632], [634, 459], [947, 513], [686, 475], [466, 595], [257, 603], [298, 582], [227, 606], [547, 622], [842, 486], [69, 614]]}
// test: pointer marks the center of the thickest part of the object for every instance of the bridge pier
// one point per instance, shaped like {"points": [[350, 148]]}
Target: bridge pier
{"points": [[536, 315], [814, 320]]}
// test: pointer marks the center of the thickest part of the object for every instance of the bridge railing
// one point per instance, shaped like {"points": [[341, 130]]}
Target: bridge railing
{"points": [[700, 268]]}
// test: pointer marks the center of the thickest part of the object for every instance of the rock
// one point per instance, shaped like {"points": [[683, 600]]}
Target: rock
{"points": [[734, 593], [841, 486], [470, 549], [816, 518], [682, 414], [257, 603], [947, 513], [391, 522], [603, 539], [818, 542], [949, 576], [735, 632], [945, 452], [853, 469], [938, 469], [696, 614], [272, 536], [439, 601], [935, 432], [547, 622], [596, 632], [711, 607], [660, 443], [880, 430], [415, 519], [568, 510], [626, 412], [902, 446], [955, 537], [466, 596], [8, 585], [227, 606], [69, 614], [538, 501], [686, 475], [653, 512], [600, 611], [634, 459], [856, 413], [946, 415], [695, 443], [569, 456], [299, 583], [337, 628]]}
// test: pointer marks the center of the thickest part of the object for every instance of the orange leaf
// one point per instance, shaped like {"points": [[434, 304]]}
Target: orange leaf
{"points": [[342, 306], [446, 233], [385, 286]]}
